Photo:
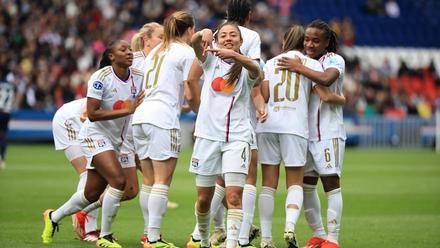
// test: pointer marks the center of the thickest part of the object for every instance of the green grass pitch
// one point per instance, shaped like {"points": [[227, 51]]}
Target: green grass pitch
{"points": [[391, 199]]}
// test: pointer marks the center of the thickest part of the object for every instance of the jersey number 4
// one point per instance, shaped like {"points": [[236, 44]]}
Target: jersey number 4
{"points": [[286, 77]]}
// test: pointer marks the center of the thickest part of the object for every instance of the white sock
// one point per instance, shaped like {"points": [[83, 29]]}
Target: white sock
{"points": [[196, 232], [233, 223], [157, 204], [219, 218], [312, 210], [143, 201], [110, 206], [294, 197], [217, 199], [82, 181], [93, 206], [249, 195], [334, 214], [266, 204], [203, 220], [91, 223], [76, 202]]}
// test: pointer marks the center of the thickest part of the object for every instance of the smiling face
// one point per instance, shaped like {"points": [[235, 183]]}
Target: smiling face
{"points": [[229, 37], [121, 54], [315, 42]]}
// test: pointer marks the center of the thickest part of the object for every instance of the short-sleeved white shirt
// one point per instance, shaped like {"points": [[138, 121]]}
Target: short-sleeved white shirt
{"points": [[326, 120], [224, 110], [163, 84], [139, 61], [251, 46], [289, 97], [113, 92]]}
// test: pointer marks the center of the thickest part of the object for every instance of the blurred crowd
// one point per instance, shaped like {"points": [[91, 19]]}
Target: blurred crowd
{"points": [[49, 48]]}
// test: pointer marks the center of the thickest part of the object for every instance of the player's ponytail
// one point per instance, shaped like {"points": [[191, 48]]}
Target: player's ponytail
{"points": [[238, 11], [329, 34], [137, 43], [293, 39], [174, 27]]}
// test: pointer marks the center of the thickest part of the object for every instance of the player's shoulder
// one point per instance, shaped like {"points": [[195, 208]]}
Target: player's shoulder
{"points": [[248, 33], [138, 55], [332, 58], [101, 74], [136, 72]]}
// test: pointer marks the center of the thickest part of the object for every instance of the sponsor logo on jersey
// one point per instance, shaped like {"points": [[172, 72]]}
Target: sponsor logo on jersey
{"points": [[97, 85]]}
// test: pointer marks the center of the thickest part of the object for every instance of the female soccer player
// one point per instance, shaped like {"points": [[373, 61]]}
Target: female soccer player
{"points": [[114, 92], [284, 135], [238, 11], [223, 136], [156, 127], [66, 125], [327, 137]]}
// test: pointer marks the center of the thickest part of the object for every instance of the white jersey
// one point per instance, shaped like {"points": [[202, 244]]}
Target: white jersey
{"points": [[70, 113], [139, 60], [289, 97], [326, 120], [224, 110], [164, 76], [114, 94], [251, 46]]}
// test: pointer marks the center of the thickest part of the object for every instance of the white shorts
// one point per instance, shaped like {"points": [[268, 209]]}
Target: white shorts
{"points": [[127, 154], [156, 143], [325, 158], [254, 144], [275, 147], [94, 145], [65, 134], [217, 158]]}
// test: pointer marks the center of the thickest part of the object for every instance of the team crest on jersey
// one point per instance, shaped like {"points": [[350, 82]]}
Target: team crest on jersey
{"points": [[97, 85], [195, 163], [101, 143], [133, 91], [124, 158]]}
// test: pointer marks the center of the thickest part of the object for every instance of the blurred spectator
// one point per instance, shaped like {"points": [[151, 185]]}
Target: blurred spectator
{"points": [[48, 49], [392, 9], [375, 7]]}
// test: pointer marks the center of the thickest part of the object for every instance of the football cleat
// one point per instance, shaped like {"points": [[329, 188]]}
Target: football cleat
{"points": [[92, 236], [193, 243], [218, 237], [144, 238], [49, 227], [108, 242], [267, 244], [329, 244], [314, 242], [254, 232], [172, 205], [290, 238], [79, 223], [159, 244]]}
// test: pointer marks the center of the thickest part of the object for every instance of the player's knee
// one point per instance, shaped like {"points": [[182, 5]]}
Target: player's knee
{"points": [[234, 199], [118, 182], [92, 195], [203, 203]]}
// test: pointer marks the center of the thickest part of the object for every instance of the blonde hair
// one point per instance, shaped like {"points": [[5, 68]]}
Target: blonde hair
{"points": [[174, 27], [137, 43], [294, 39]]}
